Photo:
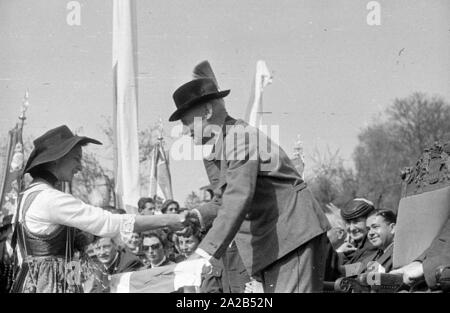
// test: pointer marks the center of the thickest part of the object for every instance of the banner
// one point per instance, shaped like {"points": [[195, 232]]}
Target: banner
{"points": [[162, 279], [126, 144], [255, 108], [11, 180], [160, 179]]}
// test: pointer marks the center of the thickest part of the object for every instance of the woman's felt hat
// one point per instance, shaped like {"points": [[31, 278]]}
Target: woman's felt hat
{"points": [[53, 145]]}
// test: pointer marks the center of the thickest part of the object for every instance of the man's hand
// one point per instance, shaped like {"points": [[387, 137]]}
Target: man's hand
{"points": [[254, 286], [346, 247], [181, 222], [207, 269], [411, 272]]}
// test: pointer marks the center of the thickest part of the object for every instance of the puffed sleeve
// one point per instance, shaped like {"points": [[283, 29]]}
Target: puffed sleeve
{"points": [[64, 209]]}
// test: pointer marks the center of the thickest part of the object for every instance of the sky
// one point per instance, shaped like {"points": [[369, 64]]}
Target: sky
{"points": [[332, 72]]}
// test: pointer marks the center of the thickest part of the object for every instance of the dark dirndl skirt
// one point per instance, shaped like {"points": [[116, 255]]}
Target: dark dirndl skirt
{"points": [[51, 275]]}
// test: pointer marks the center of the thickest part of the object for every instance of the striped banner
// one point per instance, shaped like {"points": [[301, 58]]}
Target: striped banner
{"points": [[163, 279]]}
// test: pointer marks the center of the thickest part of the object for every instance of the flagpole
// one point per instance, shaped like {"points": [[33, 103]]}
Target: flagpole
{"points": [[22, 118], [15, 137]]}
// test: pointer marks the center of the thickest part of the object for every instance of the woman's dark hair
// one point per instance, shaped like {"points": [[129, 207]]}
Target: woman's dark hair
{"points": [[166, 205], [191, 230], [158, 234], [142, 201]]}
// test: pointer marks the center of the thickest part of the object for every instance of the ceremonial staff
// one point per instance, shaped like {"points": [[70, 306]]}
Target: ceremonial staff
{"points": [[22, 118], [13, 164]]}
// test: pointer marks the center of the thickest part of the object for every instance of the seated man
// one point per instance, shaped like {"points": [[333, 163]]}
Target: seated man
{"points": [[154, 246], [381, 226], [134, 243], [336, 236], [114, 259], [429, 265], [358, 248]]}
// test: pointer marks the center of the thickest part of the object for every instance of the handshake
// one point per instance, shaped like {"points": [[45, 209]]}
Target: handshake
{"points": [[201, 217], [190, 218]]}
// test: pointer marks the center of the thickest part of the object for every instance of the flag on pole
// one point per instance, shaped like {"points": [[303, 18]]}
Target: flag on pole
{"points": [[162, 279], [255, 108], [299, 157], [11, 182], [160, 179], [126, 144]]}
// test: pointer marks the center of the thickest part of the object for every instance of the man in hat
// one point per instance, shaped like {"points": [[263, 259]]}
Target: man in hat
{"points": [[265, 206]]}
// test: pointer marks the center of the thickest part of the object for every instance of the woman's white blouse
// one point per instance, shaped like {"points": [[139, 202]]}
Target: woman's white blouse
{"points": [[52, 207]]}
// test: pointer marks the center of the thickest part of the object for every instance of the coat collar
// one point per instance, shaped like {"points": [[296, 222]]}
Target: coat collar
{"points": [[217, 148]]}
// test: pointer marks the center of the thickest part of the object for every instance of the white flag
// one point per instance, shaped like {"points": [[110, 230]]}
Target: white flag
{"points": [[255, 109], [160, 178], [125, 106]]}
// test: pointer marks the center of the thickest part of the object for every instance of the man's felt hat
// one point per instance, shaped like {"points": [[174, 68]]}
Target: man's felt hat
{"points": [[193, 93], [358, 207], [53, 145]]}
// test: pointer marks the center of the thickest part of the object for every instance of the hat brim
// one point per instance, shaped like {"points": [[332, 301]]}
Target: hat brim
{"points": [[38, 158], [194, 102]]}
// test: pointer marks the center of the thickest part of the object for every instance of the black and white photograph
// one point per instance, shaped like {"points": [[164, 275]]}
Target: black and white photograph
{"points": [[225, 147]]}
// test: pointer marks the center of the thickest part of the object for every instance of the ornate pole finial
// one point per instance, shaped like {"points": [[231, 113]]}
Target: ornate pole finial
{"points": [[298, 148], [160, 129], [25, 104], [299, 160]]}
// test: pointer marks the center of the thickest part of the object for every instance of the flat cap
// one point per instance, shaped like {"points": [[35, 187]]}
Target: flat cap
{"points": [[358, 207]]}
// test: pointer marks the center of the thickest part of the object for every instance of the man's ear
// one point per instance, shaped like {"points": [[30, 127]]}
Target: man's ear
{"points": [[392, 228], [208, 111]]}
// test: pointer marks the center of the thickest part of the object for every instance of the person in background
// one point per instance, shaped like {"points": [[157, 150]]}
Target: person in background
{"points": [[154, 247], [170, 207], [336, 236], [357, 248], [134, 243], [381, 226], [187, 241], [146, 206], [114, 260]]}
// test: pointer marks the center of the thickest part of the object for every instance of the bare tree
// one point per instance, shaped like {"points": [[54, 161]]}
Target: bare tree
{"points": [[385, 147], [332, 181]]}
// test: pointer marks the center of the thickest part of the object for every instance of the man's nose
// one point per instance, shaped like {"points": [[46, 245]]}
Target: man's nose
{"points": [[186, 131]]}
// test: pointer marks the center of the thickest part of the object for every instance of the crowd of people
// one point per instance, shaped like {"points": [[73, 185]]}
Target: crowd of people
{"points": [[103, 256]]}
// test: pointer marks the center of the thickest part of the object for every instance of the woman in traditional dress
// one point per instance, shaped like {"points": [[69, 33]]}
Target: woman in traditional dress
{"points": [[47, 218]]}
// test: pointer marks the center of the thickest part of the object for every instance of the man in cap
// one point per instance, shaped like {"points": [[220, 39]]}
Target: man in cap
{"points": [[265, 206]]}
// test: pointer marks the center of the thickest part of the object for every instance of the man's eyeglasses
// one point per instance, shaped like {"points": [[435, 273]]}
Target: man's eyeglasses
{"points": [[154, 247]]}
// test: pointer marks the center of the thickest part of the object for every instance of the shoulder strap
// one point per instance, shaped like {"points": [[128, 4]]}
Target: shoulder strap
{"points": [[29, 199]]}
